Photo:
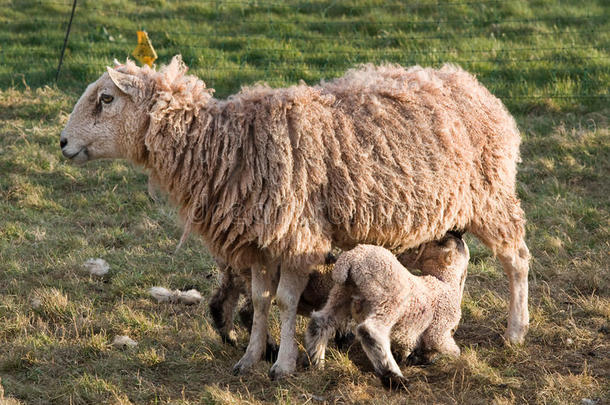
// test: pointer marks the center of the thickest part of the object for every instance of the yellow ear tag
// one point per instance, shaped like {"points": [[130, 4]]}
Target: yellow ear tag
{"points": [[144, 52]]}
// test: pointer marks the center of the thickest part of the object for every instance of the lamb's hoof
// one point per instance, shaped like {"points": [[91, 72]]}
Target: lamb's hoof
{"points": [[344, 340], [417, 358], [271, 352], [394, 381], [229, 338], [308, 362], [237, 370], [304, 361], [277, 372]]}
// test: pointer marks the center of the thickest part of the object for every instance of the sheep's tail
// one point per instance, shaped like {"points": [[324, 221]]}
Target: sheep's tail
{"points": [[341, 270]]}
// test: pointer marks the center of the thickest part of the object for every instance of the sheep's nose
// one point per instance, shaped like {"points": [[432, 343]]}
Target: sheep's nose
{"points": [[63, 142]]}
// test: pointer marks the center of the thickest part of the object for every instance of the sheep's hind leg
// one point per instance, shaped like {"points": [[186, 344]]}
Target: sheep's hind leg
{"points": [[516, 267], [261, 299], [375, 339], [289, 292], [324, 322], [504, 232]]}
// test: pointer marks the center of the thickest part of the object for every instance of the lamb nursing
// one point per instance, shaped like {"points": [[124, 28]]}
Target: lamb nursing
{"points": [[271, 179], [392, 305]]}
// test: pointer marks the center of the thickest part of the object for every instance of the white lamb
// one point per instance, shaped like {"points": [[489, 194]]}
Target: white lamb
{"points": [[388, 302]]}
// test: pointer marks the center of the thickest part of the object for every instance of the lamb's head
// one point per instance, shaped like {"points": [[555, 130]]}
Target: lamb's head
{"points": [[107, 116], [446, 258]]}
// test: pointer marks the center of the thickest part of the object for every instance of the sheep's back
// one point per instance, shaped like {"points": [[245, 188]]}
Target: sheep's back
{"points": [[384, 156], [409, 152]]}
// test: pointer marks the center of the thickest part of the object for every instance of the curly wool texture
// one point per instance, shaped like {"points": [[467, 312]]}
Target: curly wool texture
{"points": [[390, 303], [383, 155], [426, 309]]}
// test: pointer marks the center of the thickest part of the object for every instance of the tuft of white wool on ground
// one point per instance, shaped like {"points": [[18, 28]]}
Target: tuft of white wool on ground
{"points": [[97, 267], [124, 341], [162, 294], [36, 303], [190, 297]]}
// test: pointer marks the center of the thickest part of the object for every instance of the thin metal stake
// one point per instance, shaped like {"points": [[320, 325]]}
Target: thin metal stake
{"points": [[63, 49]]}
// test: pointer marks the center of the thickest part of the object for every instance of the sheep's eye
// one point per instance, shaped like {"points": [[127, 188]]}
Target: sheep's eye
{"points": [[106, 98]]}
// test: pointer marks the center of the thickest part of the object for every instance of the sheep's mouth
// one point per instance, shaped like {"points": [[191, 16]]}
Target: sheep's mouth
{"points": [[79, 157]]}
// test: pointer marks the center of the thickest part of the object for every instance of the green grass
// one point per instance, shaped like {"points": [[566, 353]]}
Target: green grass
{"points": [[523, 51], [547, 60]]}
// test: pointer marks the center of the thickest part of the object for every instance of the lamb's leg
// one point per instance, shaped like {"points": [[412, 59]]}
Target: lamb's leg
{"points": [[439, 342], [246, 313], [222, 305], [324, 322], [375, 339], [262, 293], [448, 346], [410, 353], [289, 291]]}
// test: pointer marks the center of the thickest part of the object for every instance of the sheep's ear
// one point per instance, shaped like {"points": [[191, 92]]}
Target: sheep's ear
{"points": [[128, 84]]}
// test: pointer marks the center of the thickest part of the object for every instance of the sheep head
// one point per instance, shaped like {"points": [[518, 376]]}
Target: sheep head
{"points": [[108, 116]]}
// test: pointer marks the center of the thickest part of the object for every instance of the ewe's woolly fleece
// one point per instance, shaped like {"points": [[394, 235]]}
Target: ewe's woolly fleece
{"points": [[383, 155]]}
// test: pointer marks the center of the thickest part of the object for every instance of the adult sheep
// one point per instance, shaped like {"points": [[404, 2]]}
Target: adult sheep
{"points": [[273, 178]]}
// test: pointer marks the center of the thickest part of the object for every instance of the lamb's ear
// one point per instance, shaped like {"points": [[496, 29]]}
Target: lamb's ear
{"points": [[128, 84]]}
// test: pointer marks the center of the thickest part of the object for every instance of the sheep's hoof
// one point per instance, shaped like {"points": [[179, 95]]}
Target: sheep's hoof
{"points": [[243, 366], [515, 337], [276, 372], [394, 381], [238, 369]]}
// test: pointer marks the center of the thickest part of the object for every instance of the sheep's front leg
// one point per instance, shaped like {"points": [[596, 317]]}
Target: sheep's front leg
{"points": [[288, 293], [262, 293]]}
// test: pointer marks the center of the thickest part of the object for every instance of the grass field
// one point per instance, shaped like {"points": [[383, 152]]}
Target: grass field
{"points": [[548, 60]]}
